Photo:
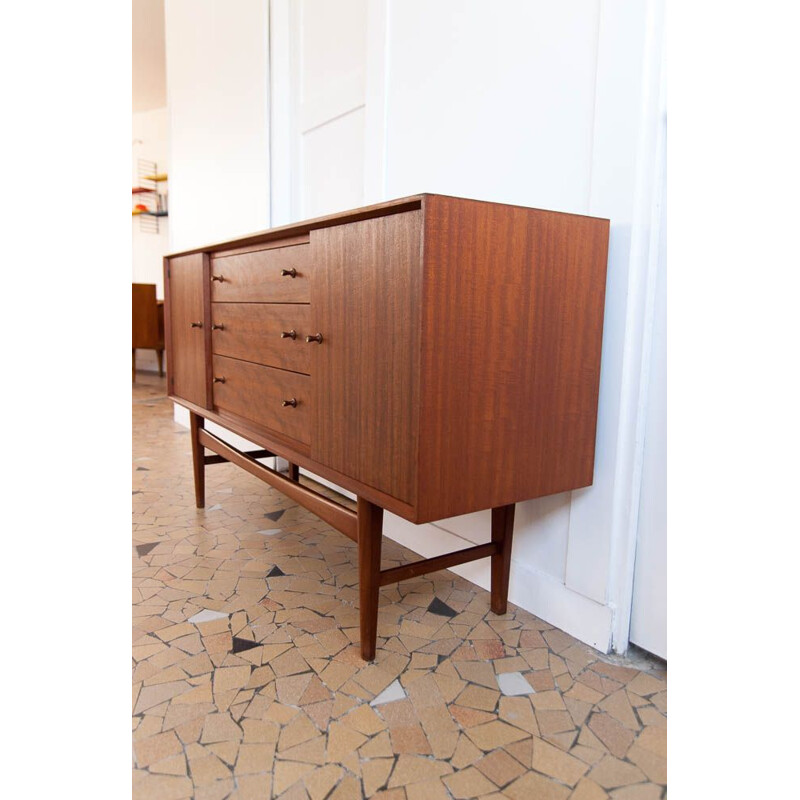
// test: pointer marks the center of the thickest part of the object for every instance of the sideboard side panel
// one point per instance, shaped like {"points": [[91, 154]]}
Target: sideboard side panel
{"points": [[365, 302], [511, 336]]}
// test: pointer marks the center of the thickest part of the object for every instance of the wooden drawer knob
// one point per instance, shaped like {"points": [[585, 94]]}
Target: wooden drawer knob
{"points": [[217, 278], [292, 403], [217, 327], [197, 324], [291, 273], [317, 337], [219, 380], [292, 334]]}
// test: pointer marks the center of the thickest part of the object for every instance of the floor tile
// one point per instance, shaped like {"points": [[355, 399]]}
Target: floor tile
{"points": [[248, 681], [394, 691], [513, 683]]}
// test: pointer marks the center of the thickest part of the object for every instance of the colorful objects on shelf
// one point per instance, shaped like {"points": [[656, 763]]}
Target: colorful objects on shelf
{"points": [[153, 202]]}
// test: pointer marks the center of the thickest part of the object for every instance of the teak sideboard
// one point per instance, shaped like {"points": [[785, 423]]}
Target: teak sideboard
{"points": [[433, 355]]}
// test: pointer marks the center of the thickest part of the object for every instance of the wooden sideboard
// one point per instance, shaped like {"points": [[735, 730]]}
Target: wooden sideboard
{"points": [[433, 355]]}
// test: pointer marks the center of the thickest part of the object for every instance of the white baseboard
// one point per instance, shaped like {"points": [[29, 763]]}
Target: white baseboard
{"points": [[537, 592]]}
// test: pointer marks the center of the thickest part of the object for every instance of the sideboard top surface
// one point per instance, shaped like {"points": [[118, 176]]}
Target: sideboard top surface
{"points": [[396, 206]]}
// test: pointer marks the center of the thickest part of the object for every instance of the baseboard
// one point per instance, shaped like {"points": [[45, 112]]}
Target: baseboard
{"points": [[537, 592]]}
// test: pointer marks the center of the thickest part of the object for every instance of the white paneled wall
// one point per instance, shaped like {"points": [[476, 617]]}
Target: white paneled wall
{"points": [[492, 100], [329, 70]]}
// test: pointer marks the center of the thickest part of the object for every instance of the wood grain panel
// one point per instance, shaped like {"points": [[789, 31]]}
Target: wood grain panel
{"points": [[255, 277], [186, 307], [256, 392], [510, 365], [252, 332], [365, 302], [145, 326]]}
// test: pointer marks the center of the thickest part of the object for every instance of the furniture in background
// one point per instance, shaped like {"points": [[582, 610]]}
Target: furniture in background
{"points": [[148, 323], [433, 355]]}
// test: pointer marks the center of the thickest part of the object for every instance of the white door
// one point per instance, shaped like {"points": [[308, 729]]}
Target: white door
{"points": [[649, 608], [319, 52]]}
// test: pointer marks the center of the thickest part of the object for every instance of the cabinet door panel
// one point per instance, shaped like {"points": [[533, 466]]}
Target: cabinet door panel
{"points": [[188, 316], [365, 374]]}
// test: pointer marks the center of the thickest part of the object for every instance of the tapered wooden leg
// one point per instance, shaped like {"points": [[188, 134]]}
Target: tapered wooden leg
{"points": [[197, 423], [134, 366], [160, 355], [370, 528], [294, 471], [502, 534]]}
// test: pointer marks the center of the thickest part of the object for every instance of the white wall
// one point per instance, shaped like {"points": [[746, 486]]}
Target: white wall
{"points": [[217, 79], [150, 142]]}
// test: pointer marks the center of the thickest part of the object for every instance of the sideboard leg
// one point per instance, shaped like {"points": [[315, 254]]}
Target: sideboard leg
{"points": [[196, 424], [370, 529], [294, 471], [502, 534]]}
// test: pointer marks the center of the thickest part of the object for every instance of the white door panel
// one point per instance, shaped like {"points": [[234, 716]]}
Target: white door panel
{"points": [[649, 609], [319, 58], [333, 165], [333, 59]]}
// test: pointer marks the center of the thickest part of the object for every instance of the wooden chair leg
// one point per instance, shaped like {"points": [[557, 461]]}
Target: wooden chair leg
{"points": [[134, 366], [502, 534], [197, 423], [294, 471], [370, 529], [160, 355]]}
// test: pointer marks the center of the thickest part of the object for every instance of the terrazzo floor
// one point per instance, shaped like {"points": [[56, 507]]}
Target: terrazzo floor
{"points": [[248, 683]]}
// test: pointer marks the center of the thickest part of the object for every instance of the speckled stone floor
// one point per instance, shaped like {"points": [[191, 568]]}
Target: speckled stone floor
{"points": [[247, 680]]}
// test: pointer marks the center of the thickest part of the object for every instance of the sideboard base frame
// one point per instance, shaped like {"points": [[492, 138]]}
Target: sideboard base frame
{"points": [[364, 526]]}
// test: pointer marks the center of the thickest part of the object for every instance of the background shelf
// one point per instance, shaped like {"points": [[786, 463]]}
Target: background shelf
{"points": [[151, 203]]}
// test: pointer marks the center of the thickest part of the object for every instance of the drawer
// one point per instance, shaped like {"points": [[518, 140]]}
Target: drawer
{"points": [[257, 393], [277, 275], [252, 332]]}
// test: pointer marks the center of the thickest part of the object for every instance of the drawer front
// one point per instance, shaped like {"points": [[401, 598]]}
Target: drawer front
{"points": [[252, 332], [256, 393], [278, 275]]}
